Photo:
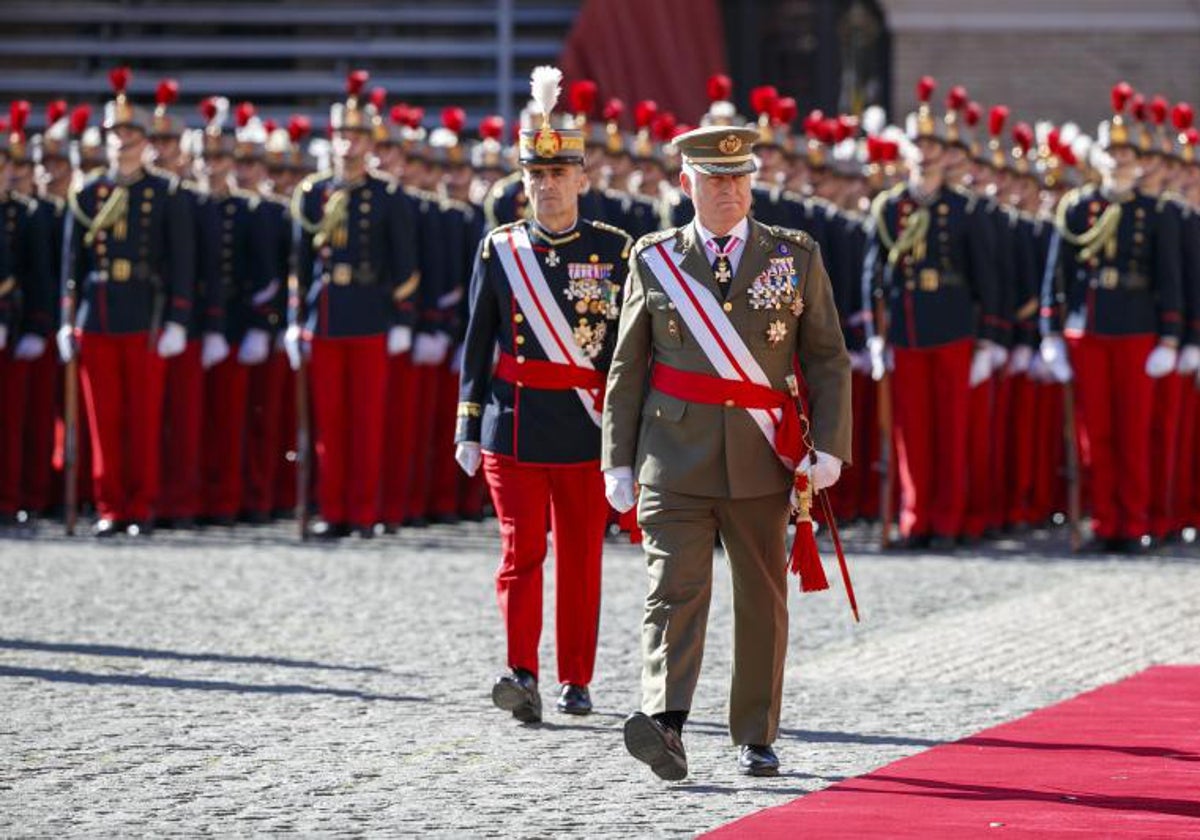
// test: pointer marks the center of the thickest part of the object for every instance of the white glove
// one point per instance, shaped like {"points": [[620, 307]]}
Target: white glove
{"points": [[1020, 359], [456, 361], [173, 340], [256, 346], [214, 350], [881, 357], [825, 472], [3, 336], [399, 340], [65, 339], [293, 345], [981, 364], [618, 488], [430, 348], [1161, 361], [468, 456], [30, 347], [1054, 355], [999, 355], [1189, 360]]}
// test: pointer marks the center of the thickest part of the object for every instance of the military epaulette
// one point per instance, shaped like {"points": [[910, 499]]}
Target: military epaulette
{"points": [[878, 207], [251, 198], [1171, 197], [792, 235], [380, 175], [449, 203], [160, 172], [487, 240], [653, 239], [614, 229], [192, 187], [73, 198]]}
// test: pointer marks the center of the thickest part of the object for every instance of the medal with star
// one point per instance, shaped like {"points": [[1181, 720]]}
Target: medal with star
{"points": [[776, 332]]}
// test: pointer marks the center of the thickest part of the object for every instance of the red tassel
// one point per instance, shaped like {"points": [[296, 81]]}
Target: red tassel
{"points": [[805, 561]]}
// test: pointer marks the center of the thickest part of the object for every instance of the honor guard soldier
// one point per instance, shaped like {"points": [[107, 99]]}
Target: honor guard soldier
{"points": [[547, 291], [931, 255], [27, 294], [271, 237], [1188, 489], [1118, 271], [179, 498], [357, 261], [133, 259], [717, 315], [232, 331]]}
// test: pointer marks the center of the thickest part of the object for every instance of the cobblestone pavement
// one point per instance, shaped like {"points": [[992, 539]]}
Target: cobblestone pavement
{"points": [[239, 683]]}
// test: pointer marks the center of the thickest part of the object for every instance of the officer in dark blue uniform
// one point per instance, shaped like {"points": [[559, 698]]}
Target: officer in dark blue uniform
{"points": [[357, 260], [933, 251], [133, 257], [547, 292], [1119, 272], [27, 296]]}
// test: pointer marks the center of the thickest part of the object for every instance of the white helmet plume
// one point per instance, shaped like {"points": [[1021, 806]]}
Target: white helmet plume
{"points": [[545, 86]]}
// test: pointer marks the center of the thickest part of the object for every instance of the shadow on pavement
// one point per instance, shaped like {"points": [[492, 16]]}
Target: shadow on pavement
{"points": [[141, 681], [180, 656]]}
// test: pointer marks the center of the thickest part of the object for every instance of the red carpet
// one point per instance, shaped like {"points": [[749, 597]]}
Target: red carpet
{"points": [[1123, 760]]}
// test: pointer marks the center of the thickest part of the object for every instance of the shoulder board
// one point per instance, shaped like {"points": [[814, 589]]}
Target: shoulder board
{"points": [[791, 235], [487, 240], [654, 238], [628, 240]]}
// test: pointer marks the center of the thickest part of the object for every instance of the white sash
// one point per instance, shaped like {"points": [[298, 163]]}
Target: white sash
{"points": [[707, 321], [541, 309]]}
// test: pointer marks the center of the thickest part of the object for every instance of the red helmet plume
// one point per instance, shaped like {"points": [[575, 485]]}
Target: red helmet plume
{"points": [[1182, 116], [614, 109], [57, 109], [378, 98], [785, 110], [1121, 93], [167, 92], [972, 114], [582, 96], [492, 128], [926, 85], [118, 79], [644, 112], [454, 118], [79, 118], [356, 81], [996, 119], [720, 87], [18, 113], [763, 99], [956, 99], [299, 127], [243, 113]]}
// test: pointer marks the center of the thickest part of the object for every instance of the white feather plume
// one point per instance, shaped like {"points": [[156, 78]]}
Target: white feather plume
{"points": [[1067, 133], [545, 84], [874, 119], [221, 104], [1042, 130]]}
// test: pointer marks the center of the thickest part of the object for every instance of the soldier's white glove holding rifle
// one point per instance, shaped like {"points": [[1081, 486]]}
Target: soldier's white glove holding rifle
{"points": [[1054, 356], [1161, 361], [65, 339], [173, 340], [468, 456], [293, 345]]}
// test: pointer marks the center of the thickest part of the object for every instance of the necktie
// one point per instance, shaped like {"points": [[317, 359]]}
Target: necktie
{"points": [[722, 270]]}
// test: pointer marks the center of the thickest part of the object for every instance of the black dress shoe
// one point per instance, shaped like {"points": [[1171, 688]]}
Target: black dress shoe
{"points": [[659, 746], [363, 532], [256, 517], [574, 700], [140, 528], [757, 760], [323, 530], [943, 545], [517, 692], [915, 542], [105, 528], [416, 522]]}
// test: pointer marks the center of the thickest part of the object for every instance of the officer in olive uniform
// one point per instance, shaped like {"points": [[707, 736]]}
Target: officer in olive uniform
{"points": [[698, 413], [1118, 268], [547, 291], [133, 259], [356, 259]]}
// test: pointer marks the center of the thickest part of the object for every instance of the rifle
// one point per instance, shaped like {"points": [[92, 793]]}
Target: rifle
{"points": [[1070, 434], [887, 461], [303, 432], [70, 384]]}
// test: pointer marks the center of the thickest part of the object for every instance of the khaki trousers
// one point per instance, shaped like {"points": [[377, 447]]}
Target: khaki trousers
{"points": [[679, 533]]}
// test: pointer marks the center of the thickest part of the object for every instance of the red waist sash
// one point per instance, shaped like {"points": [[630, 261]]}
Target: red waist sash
{"points": [[714, 390], [552, 376]]}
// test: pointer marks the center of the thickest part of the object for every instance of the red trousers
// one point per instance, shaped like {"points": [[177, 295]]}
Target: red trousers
{"points": [[444, 471], [1187, 488], [183, 416], [856, 494], [83, 444], [570, 499], [224, 447], [122, 388], [424, 412], [264, 430], [399, 449], [1049, 483], [1113, 407], [1164, 453], [982, 439], [931, 398], [1022, 426], [29, 389], [349, 383]]}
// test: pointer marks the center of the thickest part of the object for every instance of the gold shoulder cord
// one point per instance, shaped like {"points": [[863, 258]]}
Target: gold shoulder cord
{"points": [[1103, 234], [112, 212]]}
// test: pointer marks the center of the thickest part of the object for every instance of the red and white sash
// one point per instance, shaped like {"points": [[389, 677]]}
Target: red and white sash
{"points": [[707, 321], [540, 307]]}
